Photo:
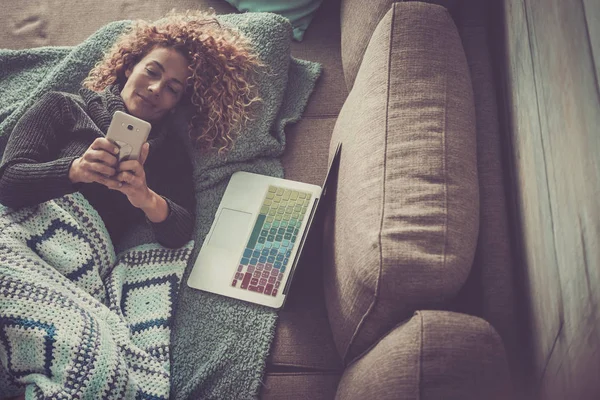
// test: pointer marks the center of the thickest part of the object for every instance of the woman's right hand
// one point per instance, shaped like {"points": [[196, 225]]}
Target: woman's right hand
{"points": [[97, 164]]}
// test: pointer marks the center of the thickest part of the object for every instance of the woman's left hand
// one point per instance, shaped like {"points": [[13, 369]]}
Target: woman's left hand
{"points": [[131, 180]]}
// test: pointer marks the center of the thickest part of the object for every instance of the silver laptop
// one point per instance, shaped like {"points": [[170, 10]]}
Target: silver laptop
{"points": [[255, 241]]}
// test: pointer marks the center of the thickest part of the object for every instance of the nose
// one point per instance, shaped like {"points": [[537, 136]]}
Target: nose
{"points": [[154, 88]]}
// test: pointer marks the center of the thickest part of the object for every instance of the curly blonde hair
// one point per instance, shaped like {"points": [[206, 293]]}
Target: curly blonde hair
{"points": [[221, 88]]}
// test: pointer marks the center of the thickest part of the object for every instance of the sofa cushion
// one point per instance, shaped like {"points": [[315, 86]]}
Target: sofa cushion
{"points": [[303, 338], [433, 355], [321, 44], [358, 21], [402, 233], [304, 385]]}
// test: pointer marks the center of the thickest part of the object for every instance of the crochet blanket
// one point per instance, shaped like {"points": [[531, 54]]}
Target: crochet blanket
{"points": [[219, 345], [78, 321]]}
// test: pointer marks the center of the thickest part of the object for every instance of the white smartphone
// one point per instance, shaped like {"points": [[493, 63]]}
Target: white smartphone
{"points": [[129, 133]]}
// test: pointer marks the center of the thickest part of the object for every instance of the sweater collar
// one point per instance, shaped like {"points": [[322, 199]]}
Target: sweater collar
{"points": [[101, 106]]}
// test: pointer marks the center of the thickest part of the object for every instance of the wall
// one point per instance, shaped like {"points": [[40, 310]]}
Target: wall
{"points": [[548, 63]]}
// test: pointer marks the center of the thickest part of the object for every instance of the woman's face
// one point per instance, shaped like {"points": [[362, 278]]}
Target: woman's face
{"points": [[155, 84]]}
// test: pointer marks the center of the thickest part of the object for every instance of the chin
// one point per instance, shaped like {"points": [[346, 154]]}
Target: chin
{"points": [[152, 118], [143, 116], [139, 114]]}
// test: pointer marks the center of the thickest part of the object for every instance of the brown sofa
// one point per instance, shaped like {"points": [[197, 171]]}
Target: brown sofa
{"points": [[405, 288]]}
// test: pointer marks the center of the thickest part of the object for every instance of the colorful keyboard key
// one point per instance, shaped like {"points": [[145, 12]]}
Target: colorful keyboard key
{"points": [[272, 239]]}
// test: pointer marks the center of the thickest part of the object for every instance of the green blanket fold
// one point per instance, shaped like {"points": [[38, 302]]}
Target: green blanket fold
{"points": [[219, 345]]}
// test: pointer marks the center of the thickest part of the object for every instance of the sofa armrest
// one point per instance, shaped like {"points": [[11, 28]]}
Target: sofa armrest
{"points": [[433, 355]]}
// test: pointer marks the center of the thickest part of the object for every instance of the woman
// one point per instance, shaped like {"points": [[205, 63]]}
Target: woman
{"points": [[59, 145]]}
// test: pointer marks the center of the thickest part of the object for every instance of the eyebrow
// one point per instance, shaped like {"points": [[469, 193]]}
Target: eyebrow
{"points": [[163, 70]]}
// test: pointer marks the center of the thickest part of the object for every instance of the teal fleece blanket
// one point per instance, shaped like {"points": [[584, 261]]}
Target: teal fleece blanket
{"points": [[219, 345]]}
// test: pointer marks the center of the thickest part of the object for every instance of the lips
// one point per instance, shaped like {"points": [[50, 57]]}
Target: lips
{"points": [[145, 100]]}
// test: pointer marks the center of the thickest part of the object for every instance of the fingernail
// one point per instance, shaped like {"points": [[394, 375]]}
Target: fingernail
{"points": [[116, 150], [120, 184]]}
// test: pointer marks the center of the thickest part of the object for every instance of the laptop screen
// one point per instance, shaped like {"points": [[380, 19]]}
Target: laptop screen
{"points": [[332, 170]]}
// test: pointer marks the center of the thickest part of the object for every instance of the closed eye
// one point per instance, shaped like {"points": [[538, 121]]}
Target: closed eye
{"points": [[154, 73]]}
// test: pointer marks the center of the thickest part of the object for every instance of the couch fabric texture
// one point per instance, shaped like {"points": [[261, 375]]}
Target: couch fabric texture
{"points": [[405, 224], [444, 355]]}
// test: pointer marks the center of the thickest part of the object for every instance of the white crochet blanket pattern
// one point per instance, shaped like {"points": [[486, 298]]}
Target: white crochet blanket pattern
{"points": [[77, 320]]}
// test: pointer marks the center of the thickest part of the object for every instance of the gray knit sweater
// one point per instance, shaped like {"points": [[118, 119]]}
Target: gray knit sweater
{"points": [[58, 129]]}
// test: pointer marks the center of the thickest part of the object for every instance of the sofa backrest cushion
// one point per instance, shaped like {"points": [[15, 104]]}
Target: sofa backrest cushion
{"points": [[401, 231], [358, 20]]}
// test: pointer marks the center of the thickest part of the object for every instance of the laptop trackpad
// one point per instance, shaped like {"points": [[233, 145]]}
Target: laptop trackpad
{"points": [[231, 229]]}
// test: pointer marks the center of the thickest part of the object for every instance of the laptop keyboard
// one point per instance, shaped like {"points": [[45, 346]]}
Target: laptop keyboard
{"points": [[267, 254]]}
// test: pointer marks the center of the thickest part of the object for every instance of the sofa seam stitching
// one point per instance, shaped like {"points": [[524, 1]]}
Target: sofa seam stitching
{"points": [[387, 104], [445, 161], [590, 47], [420, 369]]}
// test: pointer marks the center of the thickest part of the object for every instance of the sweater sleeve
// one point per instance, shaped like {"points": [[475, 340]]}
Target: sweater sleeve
{"points": [[176, 230], [30, 173]]}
